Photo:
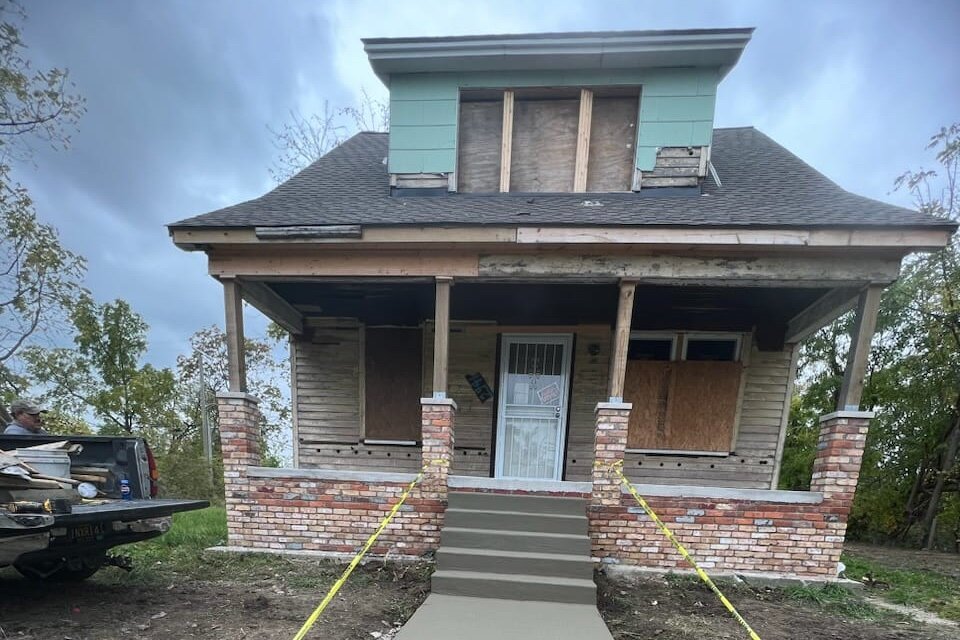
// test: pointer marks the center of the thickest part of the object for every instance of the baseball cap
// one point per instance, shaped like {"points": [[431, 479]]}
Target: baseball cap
{"points": [[25, 405]]}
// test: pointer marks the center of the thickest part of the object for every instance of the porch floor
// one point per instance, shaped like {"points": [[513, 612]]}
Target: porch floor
{"points": [[443, 616]]}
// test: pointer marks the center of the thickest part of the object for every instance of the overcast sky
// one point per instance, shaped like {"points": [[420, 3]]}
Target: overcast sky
{"points": [[179, 96]]}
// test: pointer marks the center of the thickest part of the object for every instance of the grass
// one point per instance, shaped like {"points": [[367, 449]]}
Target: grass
{"points": [[926, 590], [837, 600]]}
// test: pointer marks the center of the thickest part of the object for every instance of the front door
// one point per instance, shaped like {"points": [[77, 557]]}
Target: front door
{"points": [[532, 411]]}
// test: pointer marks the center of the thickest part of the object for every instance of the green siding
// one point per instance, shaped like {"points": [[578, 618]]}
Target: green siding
{"points": [[676, 109]]}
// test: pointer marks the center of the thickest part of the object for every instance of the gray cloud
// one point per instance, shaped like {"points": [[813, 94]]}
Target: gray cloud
{"points": [[179, 95]]}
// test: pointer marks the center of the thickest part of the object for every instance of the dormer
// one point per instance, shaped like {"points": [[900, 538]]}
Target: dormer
{"points": [[553, 113]]}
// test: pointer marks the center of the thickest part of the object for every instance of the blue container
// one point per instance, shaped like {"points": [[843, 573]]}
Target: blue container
{"points": [[125, 491]]}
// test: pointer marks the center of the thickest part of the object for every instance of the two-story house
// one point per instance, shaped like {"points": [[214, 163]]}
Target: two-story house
{"points": [[552, 263]]}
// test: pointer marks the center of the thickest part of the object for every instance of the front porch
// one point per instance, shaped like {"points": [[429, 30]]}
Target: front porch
{"points": [[392, 376]]}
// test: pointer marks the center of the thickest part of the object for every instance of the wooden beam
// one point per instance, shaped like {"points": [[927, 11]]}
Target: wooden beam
{"points": [[822, 312], [583, 140], [621, 340], [309, 232], [797, 270], [236, 358], [441, 337], [259, 264], [860, 336], [506, 141], [267, 302]]}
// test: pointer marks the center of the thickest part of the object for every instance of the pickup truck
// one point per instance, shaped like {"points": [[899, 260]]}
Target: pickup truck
{"points": [[61, 547]]}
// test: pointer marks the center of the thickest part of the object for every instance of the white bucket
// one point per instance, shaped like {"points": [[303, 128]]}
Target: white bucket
{"points": [[49, 463]]}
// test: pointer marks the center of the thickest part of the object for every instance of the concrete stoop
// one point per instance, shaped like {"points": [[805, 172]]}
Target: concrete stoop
{"points": [[515, 547]]}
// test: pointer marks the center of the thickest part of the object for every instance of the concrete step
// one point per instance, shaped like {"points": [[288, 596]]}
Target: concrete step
{"points": [[499, 539], [522, 503], [515, 562], [517, 521], [513, 587]]}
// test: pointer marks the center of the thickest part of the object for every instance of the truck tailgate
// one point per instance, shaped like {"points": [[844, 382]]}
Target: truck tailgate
{"points": [[126, 510]]}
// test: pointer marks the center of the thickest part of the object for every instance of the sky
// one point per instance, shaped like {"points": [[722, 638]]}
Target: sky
{"points": [[180, 95]]}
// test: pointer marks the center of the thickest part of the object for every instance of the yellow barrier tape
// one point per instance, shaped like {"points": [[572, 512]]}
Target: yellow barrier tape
{"points": [[616, 468], [366, 547]]}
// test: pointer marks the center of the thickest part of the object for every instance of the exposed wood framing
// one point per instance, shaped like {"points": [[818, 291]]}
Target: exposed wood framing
{"points": [[822, 312], [441, 338], [308, 231], [236, 360], [506, 141], [293, 401], [583, 140], [860, 336], [621, 340], [746, 350], [750, 271], [312, 263], [262, 297]]}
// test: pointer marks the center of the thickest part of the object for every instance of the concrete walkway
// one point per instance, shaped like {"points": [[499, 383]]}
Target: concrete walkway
{"points": [[442, 617]]}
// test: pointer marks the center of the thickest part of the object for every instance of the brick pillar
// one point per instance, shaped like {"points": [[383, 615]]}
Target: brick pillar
{"points": [[240, 443], [437, 419], [836, 471], [610, 443]]}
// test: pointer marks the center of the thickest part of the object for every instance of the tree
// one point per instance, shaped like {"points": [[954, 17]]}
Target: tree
{"points": [[39, 278], [303, 140]]}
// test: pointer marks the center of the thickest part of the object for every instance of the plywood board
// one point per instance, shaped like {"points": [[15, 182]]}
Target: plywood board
{"points": [[647, 387], [478, 162], [702, 406], [544, 145], [392, 384], [613, 138]]}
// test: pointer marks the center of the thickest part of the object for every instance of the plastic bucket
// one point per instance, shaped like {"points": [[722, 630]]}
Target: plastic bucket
{"points": [[49, 463]]}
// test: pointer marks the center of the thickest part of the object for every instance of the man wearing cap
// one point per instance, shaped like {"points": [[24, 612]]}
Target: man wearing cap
{"points": [[27, 419]]}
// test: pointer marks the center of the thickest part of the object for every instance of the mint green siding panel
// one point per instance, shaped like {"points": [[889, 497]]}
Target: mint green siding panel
{"points": [[676, 109]]}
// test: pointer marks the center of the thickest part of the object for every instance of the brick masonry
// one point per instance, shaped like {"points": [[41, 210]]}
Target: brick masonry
{"points": [[750, 536], [311, 514]]}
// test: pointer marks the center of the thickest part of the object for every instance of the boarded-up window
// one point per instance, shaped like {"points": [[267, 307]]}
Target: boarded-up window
{"points": [[478, 155], [544, 151], [392, 366], [613, 135], [686, 405]]}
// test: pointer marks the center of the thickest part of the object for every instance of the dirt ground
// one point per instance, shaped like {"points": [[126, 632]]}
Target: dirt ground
{"points": [[251, 604], [947, 564], [675, 608], [269, 599]]}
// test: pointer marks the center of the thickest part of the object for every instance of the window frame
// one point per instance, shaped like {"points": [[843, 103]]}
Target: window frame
{"points": [[672, 336], [715, 336]]}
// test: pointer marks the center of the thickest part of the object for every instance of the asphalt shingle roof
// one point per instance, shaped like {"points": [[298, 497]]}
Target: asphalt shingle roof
{"points": [[763, 185]]}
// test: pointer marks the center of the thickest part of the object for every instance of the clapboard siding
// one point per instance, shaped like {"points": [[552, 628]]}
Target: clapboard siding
{"points": [[752, 463], [328, 397]]}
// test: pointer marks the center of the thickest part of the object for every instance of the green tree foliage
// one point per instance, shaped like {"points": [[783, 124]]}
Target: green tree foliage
{"points": [[39, 278], [910, 474]]}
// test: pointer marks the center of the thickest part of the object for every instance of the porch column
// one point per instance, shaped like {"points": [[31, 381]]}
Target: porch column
{"points": [[437, 412], [236, 360], [836, 471], [862, 333], [240, 443], [621, 340]]}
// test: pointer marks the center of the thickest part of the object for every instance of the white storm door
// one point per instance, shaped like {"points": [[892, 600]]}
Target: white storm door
{"points": [[532, 411]]}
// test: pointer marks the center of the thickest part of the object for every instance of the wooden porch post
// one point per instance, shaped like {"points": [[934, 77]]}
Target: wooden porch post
{"points": [[236, 360], [441, 337], [621, 340], [863, 327]]}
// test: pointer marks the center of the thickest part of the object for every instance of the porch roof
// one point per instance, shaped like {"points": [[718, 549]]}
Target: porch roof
{"points": [[763, 186]]}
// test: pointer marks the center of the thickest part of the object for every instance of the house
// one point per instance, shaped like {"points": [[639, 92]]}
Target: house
{"points": [[551, 264]]}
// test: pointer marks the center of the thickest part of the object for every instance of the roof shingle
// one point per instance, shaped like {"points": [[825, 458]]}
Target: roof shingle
{"points": [[763, 185]]}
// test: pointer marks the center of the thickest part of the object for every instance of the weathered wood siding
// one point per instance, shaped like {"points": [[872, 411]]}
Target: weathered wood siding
{"points": [[328, 395]]}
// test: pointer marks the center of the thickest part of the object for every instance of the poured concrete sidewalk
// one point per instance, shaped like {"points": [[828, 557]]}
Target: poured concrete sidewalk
{"points": [[442, 617]]}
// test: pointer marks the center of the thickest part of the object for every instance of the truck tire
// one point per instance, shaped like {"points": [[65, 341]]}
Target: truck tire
{"points": [[75, 569]]}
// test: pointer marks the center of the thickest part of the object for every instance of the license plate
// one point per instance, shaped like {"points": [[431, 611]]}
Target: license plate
{"points": [[85, 533]]}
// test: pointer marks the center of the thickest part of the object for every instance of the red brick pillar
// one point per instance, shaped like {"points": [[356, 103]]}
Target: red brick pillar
{"points": [[610, 443], [836, 471], [240, 442], [437, 419]]}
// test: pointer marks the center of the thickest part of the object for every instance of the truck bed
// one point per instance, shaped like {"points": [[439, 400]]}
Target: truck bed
{"points": [[125, 510]]}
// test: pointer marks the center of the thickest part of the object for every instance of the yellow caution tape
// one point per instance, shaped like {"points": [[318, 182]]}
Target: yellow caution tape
{"points": [[616, 468], [366, 547]]}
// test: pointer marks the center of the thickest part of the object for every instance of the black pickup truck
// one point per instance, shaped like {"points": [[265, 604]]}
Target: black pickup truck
{"points": [[73, 546]]}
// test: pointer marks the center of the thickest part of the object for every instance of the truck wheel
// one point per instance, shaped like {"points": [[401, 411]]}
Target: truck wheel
{"points": [[73, 569]]}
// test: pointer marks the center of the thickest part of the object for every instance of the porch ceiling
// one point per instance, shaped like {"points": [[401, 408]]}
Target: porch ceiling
{"points": [[701, 308]]}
